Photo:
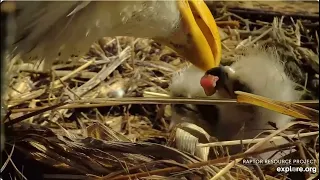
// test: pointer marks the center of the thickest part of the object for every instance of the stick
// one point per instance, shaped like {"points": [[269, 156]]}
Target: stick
{"points": [[253, 141]]}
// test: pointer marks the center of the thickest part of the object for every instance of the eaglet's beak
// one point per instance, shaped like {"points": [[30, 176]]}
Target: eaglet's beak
{"points": [[204, 47]]}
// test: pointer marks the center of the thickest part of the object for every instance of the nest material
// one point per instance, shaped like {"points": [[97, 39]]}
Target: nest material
{"points": [[93, 141]]}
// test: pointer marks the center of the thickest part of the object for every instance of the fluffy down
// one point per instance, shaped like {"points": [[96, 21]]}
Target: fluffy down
{"points": [[262, 71]]}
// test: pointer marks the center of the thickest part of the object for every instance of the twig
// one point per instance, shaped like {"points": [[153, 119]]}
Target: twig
{"points": [[225, 46], [8, 159], [317, 38], [257, 12], [57, 82], [259, 171], [234, 24], [15, 167], [64, 176], [258, 38], [253, 141], [154, 94], [303, 156], [26, 116], [103, 102]]}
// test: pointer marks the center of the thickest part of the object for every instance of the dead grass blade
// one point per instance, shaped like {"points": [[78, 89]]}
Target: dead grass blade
{"points": [[294, 110]]}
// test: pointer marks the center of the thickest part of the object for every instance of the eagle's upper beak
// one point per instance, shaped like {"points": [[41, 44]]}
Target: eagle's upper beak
{"points": [[204, 44]]}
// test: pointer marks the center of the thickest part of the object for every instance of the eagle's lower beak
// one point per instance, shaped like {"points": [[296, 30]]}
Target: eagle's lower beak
{"points": [[204, 45]]}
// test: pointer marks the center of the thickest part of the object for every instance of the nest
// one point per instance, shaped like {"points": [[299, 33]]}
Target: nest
{"points": [[65, 119]]}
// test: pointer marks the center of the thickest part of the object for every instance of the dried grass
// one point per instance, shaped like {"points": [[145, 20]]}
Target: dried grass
{"points": [[75, 127]]}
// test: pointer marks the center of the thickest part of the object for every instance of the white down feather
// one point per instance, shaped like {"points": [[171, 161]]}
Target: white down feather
{"points": [[263, 72]]}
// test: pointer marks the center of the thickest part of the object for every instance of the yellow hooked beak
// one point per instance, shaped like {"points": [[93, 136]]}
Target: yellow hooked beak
{"points": [[204, 36]]}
